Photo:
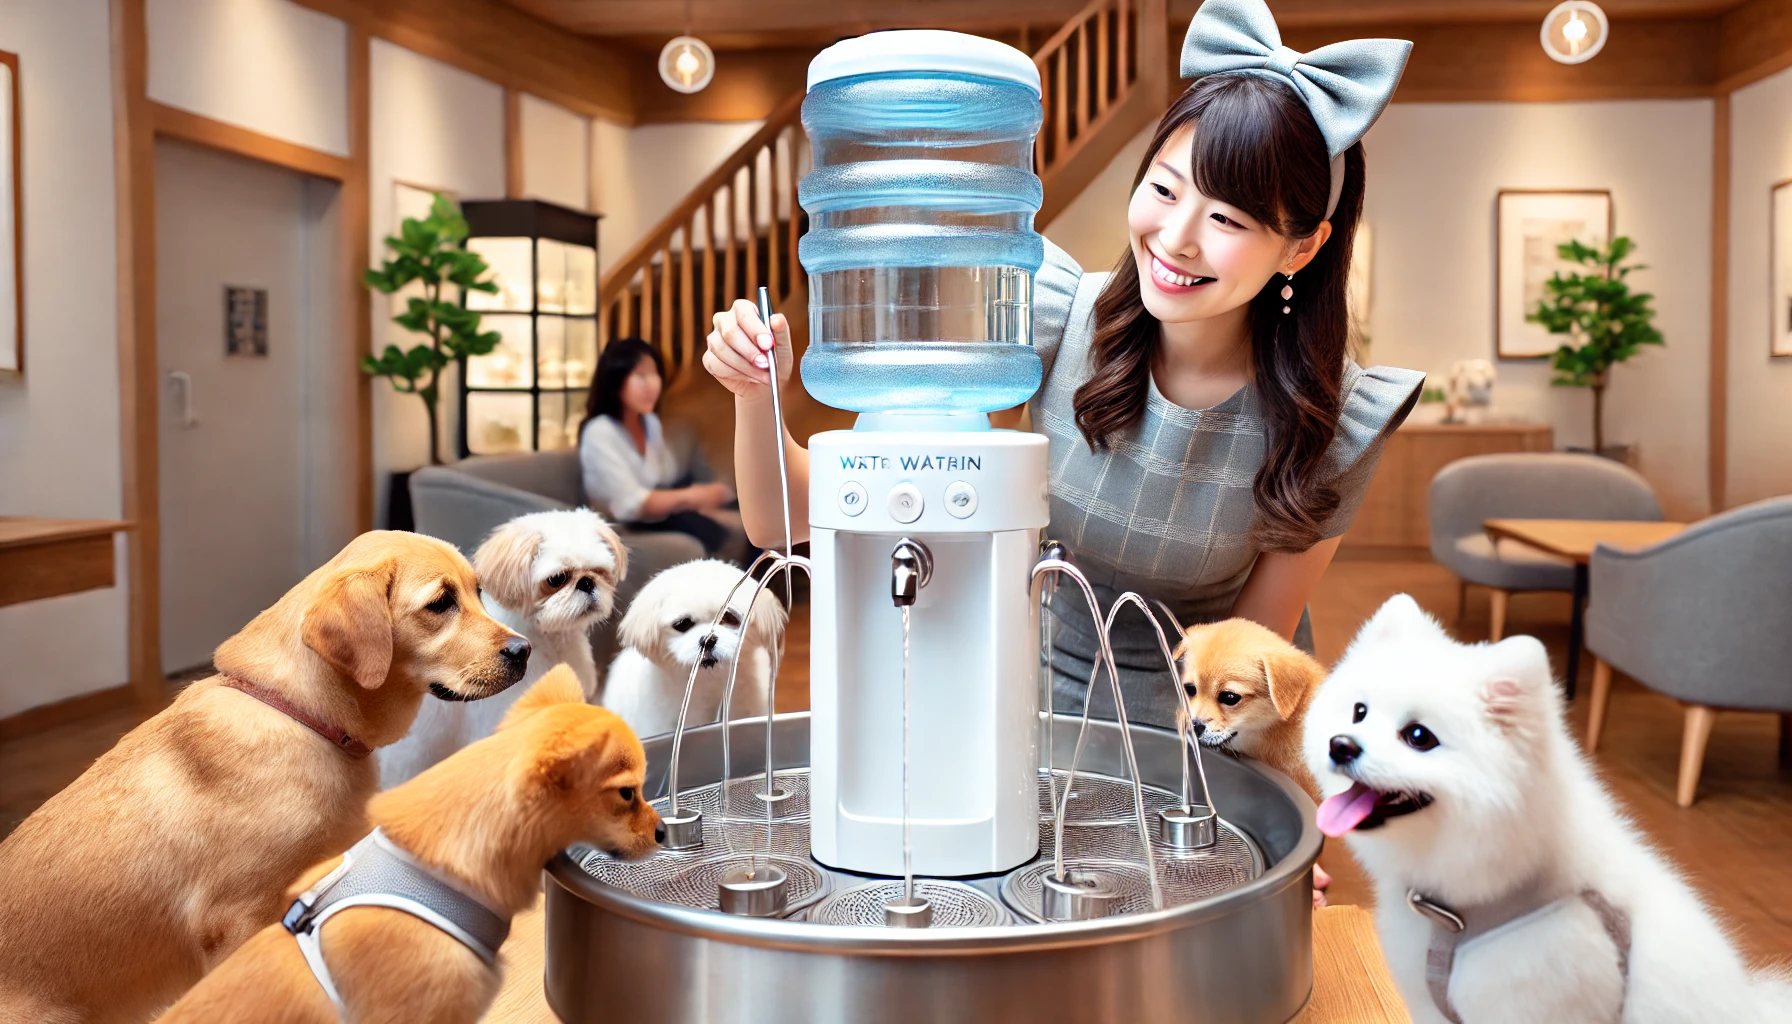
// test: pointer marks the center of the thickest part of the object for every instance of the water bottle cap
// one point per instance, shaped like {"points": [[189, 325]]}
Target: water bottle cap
{"points": [[923, 50]]}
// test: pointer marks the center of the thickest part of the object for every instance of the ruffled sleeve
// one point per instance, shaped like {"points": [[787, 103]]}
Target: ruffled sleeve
{"points": [[1054, 290], [1376, 401]]}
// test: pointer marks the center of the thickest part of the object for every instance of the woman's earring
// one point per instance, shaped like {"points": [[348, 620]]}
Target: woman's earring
{"points": [[1288, 292]]}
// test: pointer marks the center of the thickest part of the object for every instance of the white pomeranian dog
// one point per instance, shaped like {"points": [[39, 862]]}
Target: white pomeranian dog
{"points": [[666, 631], [1454, 779], [551, 576]]}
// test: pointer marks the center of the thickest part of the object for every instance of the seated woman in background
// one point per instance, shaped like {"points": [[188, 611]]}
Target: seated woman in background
{"points": [[631, 474]]}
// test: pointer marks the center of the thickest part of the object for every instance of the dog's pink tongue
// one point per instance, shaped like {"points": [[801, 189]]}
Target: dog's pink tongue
{"points": [[1339, 814]]}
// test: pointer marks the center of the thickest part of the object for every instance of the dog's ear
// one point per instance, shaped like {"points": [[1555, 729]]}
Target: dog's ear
{"points": [[349, 623], [596, 739], [1291, 677], [639, 628], [1518, 686], [505, 564], [617, 548], [1399, 616], [559, 686], [766, 623]]}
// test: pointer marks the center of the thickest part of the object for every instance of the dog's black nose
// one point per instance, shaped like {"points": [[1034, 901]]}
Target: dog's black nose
{"points": [[1200, 727], [587, 584], [516, 653], [659, 834], [708, 642], [1345, 750]]}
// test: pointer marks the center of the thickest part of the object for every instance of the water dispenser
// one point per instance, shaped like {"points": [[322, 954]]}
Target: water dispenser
{"points": [[921, 254]]}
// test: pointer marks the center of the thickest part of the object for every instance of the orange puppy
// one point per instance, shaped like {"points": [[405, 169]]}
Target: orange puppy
{"points": [[1248, 691], [177, 845], [558, 771]]}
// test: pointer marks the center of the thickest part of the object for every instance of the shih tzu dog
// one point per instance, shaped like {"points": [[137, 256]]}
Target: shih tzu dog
{"points": [[550, 576], [667, 630]]}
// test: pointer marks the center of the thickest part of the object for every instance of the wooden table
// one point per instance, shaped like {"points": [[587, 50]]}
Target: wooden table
{"points": [[1351, 984], [50, 557], [1574, 540]]}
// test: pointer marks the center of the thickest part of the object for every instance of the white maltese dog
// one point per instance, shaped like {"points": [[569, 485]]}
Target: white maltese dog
{"points": [[550, 576], [1455, 781], [666, 631]]}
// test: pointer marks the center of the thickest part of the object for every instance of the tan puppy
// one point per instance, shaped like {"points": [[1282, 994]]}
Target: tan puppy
{"points": [[558, 771], [1248, 691], [177, 845]]}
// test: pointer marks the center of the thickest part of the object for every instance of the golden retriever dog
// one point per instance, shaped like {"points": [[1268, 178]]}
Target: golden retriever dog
{"points": [[557, 771], [1248, 691], [177, 845]]}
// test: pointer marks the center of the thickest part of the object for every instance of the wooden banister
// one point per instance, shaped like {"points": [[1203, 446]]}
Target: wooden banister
{"points": [[665, 264]]}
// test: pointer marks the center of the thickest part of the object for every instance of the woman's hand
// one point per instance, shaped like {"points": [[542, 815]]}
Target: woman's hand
{"points": [[709, 497], [738, 344]]}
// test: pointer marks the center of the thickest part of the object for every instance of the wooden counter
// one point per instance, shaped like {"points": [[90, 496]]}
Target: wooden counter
{"points": [[50, 557], [1392, 520]]}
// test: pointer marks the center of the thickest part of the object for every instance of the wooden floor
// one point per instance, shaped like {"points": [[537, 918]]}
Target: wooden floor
{"points": [[1735, 842]]}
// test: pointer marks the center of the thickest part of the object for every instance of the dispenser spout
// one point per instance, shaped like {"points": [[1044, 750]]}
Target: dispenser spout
{"points": [[911, 566]]}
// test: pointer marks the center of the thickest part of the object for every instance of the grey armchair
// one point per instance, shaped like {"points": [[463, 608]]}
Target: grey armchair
{"points": [[464, 502], [1523, 485], [1702, 617]]}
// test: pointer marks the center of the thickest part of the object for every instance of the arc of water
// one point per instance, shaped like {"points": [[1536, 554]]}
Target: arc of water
{"points": [[1184, 726], [779, 565], [1048, 591], [1050, 565], [690, 683]]}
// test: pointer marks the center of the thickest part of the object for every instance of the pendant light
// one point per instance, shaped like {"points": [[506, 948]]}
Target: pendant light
{"points": [[687, 63], [1574, 31]]}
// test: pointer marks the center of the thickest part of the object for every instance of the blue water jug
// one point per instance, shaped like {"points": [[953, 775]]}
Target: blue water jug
{"points": [[921, 250]]}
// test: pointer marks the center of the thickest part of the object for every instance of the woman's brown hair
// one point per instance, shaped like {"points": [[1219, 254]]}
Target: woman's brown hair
{"points": [[1257, 147]]}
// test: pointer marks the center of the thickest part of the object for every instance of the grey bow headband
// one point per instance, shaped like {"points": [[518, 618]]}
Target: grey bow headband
{"points": [[1346, 85]]}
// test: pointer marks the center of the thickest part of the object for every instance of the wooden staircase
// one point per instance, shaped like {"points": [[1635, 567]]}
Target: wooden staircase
{"points": [[1105, 77]]}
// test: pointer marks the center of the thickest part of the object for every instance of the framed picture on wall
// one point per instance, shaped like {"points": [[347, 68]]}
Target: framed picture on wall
{"points": [[1529, 225], [12, 254], [1779, 272]]}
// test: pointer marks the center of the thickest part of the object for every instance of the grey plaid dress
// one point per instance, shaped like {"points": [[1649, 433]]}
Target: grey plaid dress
{"points": [[1167, 510]]}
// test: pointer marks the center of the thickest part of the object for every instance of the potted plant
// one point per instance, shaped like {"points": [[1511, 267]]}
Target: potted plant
{"points": [[430, 252], [1606, 322]]}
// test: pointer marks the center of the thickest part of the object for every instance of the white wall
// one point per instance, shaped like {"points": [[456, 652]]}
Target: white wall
{"points": [[1760, 411], [59, 425], [437, 127], [643, 172], [267, 65], [1434, 171], [1092, 229], [556, 154]]}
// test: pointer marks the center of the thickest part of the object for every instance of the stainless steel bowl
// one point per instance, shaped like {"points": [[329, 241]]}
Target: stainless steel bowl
{"points": [[1242, 956]]}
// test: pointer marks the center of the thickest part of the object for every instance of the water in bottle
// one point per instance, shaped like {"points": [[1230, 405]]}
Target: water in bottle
{"points": [[921, 250]]}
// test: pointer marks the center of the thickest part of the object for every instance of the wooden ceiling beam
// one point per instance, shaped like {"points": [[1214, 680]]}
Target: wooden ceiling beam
{"points": [[1754, 41], [762, 21]]}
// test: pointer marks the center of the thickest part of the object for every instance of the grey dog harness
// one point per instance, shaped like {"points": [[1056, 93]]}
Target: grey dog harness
{"points": [[1450, 928], [376, 873]]}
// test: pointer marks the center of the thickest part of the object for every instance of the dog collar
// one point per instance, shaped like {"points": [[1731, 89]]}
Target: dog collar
{"points": [[1452, 927], [338, 738], [376, 872]]}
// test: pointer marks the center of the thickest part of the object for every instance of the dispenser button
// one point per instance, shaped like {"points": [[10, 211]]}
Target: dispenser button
{"points": [[905, 503], [961, 500], [853, 499]]}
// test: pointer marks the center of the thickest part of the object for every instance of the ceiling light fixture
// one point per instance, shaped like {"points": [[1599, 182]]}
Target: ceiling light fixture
{"points": [[687, 64], [1574, 31]]}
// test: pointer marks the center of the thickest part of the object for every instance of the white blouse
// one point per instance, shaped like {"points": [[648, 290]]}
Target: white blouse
{"points": [[618, 477]]}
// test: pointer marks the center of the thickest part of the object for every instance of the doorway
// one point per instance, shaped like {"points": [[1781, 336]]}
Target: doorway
{"points": [[254, 412]]}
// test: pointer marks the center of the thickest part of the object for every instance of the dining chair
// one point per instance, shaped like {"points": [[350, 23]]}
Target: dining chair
{"points": [[1523, 485], [1701, 617]]}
